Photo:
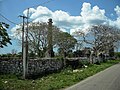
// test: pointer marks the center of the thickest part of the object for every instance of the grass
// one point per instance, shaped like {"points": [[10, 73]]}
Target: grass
{"points": [[53, 81]]}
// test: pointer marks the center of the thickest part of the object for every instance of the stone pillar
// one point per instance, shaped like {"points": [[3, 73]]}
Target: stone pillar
{"points": [[49, 52]]}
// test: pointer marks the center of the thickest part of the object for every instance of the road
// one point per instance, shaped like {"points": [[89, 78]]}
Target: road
{"points": [[108, 79]]}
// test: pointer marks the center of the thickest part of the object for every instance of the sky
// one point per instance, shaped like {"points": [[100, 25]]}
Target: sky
{"points": [[68, 15]]}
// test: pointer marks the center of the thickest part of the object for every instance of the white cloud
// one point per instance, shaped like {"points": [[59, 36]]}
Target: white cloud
{"points": [[88, 16], [86, 9], [41, 12], [117, 9], [15, 34], [92, 15], [116, 22], [62, 29]]}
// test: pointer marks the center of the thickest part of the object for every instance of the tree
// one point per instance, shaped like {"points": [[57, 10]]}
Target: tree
{"points": [[38, 40], [4, 37], [65, 42], [106, 38], [102, 38]]}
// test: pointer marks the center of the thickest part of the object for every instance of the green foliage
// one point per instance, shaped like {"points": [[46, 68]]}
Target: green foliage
{"points": [[38, 39], [10, 56], [4, 37], [65, 43], [117, 54], [65, 78]]}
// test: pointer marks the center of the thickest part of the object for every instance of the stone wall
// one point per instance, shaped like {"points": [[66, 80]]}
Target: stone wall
{"points": [[35, 67]]}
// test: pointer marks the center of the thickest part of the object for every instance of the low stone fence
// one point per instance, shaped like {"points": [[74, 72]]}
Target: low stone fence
{"points": [[39, 66], [35, 67]]}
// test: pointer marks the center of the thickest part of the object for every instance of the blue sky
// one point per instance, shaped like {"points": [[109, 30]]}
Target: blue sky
{"points": [[69, 15]]}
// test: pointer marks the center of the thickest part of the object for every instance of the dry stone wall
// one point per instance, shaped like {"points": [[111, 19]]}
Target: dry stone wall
{"points": [[35, 67]]}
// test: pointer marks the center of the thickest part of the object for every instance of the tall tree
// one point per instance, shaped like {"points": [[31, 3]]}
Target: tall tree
{"points": [[4, 37], [38, 40], [65, 42], [101, 37]]}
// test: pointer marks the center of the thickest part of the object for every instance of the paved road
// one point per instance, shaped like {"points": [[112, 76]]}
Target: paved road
{"points": [[108, 79]]}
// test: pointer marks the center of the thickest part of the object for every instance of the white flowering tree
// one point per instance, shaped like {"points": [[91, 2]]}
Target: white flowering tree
{"points": [[38, 40], [101, 38]]}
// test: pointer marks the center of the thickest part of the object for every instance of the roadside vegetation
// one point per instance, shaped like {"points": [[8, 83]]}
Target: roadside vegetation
{"points": [[55, 81], [44, 38]]}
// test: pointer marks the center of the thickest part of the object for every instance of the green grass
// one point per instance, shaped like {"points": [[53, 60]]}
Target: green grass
{"points": [[53, 81]]}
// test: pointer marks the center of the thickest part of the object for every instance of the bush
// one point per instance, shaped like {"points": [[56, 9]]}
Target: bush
{"points": [[72, 63]]}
